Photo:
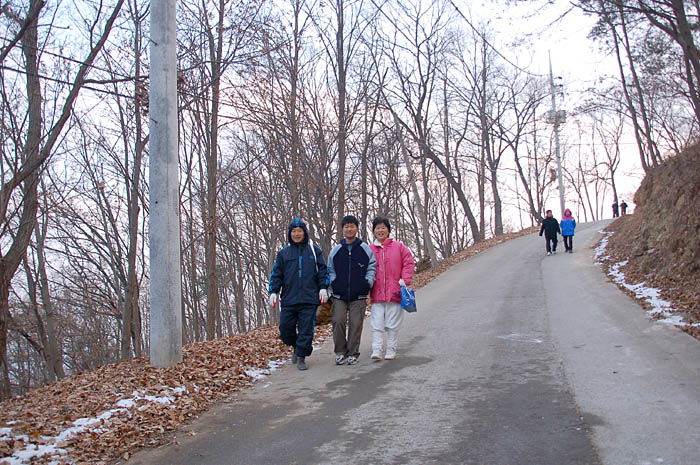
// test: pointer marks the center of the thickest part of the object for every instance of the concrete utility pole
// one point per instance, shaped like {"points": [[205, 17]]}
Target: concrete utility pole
{"points": [[164, 233], [556, 117]]}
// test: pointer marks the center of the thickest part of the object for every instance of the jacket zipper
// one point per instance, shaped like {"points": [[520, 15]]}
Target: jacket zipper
{"points": [[349, 266], [384, 264]]}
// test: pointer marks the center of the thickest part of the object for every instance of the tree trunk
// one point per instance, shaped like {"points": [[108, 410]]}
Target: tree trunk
{"points": [[369, 128], [484, 136], [54, 358], [342, 123], [497, 207], [215, 55], [14, 256], [35, 156], [643, 148], [428, 241], [477, 235], [40, 327], [651, 147], [446, 143], [131, 318]]}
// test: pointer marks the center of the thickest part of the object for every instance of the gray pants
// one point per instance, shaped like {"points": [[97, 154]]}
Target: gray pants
{"points": [[354, 312]]}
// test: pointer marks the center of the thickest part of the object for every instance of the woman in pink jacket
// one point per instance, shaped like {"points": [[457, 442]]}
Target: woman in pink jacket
{"points": [[394, 263]]}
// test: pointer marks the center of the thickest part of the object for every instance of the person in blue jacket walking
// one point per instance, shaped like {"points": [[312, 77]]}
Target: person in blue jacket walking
{"points": [[351, 270], [568, 225], [300, 274]]}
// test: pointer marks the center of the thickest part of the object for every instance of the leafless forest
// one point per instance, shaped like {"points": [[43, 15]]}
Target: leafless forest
{"points": [[287, 108]]}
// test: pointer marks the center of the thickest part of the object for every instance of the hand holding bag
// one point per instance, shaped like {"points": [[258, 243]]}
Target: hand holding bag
{"points": [[408, 299]]}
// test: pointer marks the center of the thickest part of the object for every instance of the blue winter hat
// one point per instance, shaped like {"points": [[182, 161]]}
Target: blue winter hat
{"points": [[297, 223]]}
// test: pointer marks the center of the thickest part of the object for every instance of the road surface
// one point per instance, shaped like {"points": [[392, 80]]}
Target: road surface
{"points": [[513, 358]]}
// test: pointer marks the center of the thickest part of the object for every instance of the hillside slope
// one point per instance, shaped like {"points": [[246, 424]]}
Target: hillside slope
{"points": [[661, 240]]}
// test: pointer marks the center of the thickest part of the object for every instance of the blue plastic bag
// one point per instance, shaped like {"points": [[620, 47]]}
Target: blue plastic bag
{"points": [[408, 299]]}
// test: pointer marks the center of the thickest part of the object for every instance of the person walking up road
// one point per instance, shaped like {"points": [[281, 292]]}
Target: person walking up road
{"points": [[550, 228], [568, 225]]}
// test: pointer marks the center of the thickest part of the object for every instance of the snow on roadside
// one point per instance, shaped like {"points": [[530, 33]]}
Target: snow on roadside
{"points": [[661, 310], [260, 373], [600, 252], [52, 447]]}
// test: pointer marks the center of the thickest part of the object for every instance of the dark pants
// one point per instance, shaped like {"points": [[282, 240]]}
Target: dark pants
{"points": [[297, 327], [568, 242], [354, 312], [553, 247]]}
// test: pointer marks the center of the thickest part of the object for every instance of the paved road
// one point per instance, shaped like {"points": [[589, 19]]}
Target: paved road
{"points": [[513, 358]]}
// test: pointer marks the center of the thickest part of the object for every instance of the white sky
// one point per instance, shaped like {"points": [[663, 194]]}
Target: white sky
{"points": [[527, 33]]}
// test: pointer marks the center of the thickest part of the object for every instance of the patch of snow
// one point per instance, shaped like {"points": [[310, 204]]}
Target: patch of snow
{"points": [[600, 250], [257, 373], [261, 373], [52, 448], [662, 310], [126, 403]]}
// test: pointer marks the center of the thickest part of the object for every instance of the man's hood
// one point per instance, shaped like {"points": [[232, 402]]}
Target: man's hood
{"points": [[297, 223]]}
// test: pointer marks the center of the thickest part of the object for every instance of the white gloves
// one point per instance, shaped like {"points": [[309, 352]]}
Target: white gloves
{"points": [[402, 282], [323, 295]]}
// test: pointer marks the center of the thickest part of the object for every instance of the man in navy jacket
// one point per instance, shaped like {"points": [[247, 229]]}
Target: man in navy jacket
{"points": [[550, 228], [300, 273], [351, 270]]}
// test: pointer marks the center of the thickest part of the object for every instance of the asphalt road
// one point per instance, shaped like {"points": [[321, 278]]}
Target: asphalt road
{"points": [[513, 358]]}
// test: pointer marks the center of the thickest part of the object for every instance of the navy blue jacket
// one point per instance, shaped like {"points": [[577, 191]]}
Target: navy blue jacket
{"points": [[296, 273], [351, 271], [550, 228]]}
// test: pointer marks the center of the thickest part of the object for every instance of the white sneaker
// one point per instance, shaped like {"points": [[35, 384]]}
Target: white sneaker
{"points": [[549, 253], [376, 356], [352, 360], [390, 354], [340, 359]]}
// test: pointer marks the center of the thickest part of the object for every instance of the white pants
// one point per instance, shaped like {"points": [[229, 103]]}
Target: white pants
{"points": [[385, 317]]}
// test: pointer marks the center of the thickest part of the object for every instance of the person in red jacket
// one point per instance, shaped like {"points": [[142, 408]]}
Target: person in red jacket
{"points": [[394, 264]]}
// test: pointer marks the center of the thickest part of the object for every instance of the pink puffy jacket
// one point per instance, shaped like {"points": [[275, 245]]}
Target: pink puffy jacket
{"points": [[394, 261]]}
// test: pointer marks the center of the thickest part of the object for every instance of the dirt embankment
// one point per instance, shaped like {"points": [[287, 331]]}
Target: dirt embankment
{"points": [[661, 239]]}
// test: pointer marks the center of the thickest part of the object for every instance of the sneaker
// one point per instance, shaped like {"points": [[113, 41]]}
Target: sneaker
{"points": [[301, 364], [340, 359], [352, 360], [390, 354], [549, 253], [295, 358], [376, 356]]}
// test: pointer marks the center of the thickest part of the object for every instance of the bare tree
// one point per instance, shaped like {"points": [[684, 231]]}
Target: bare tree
{"points": [[415, 84], [33, 150]]}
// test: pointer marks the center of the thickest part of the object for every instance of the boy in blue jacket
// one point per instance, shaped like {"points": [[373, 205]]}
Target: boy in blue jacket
{"points": [[300, 274], [568, 225], [351, 270]]}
